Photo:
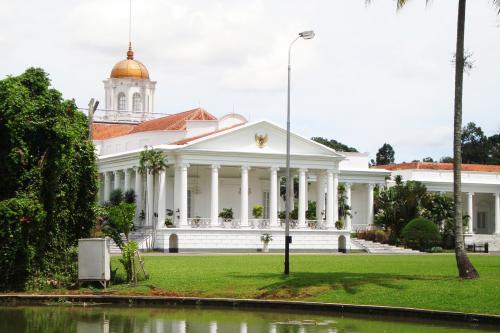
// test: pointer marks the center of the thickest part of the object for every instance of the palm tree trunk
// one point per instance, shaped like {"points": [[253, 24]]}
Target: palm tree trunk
{"points": [[465, 268]]}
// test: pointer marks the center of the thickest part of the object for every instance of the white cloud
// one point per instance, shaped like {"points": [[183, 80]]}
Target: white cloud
{"points": [[370, 76]]}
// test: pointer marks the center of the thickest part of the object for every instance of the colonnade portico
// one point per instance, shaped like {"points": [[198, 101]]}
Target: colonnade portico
{"points": [[151, 192]]}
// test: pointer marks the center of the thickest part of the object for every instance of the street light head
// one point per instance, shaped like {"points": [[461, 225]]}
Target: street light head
{"points": [[307, 34]]}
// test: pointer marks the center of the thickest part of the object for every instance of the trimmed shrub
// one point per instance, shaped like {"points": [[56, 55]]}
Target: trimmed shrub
{"points": [[378, 236], [258, 211], [421, 234]]}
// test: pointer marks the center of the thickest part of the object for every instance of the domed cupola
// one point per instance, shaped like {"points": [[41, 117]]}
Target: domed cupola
{"points": [[129, 91], [130, 68]]}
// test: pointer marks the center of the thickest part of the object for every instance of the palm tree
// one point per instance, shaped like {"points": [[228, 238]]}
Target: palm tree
{"points": [[151, 162], [465, 268]]}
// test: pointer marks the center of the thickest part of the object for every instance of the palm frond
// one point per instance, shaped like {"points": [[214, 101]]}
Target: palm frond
{"points": [[496, 3]]}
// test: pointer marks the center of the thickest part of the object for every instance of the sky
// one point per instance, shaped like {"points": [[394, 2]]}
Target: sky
{"points": [[371, 75]]}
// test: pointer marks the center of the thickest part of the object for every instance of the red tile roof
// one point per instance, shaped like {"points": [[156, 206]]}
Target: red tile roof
{"points": [[440, 166], [103, 131], [174, 122], [187, 140]]}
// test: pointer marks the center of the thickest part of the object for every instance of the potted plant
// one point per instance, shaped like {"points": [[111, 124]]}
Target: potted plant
{"points": [[339, 225], [196, 222], [266, 238], [226, 215], [258, 211], [169, 223]]}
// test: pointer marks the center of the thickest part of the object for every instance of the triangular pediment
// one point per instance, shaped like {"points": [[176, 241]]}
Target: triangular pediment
{"points": [[261, 137]]}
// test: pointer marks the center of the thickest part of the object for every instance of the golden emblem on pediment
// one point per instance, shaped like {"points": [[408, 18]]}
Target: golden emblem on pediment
{"points": [[261, 139]]}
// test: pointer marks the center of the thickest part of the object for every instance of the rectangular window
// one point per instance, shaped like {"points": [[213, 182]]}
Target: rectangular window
{"points": [[189, 203], [265, 204], [481, 220]]}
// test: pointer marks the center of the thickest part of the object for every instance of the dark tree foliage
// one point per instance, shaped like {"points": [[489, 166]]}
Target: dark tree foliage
{"points": [[334, 144], [494, 153], [446, 159], [475, 145], [398, 205], [385, 155], [46, 157]]}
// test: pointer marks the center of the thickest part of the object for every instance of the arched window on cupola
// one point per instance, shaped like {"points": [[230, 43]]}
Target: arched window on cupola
{"points": [[136, 102], [122, 102]]}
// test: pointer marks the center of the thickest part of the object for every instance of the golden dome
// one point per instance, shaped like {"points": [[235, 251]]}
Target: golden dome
{"points": [[130, 68]]}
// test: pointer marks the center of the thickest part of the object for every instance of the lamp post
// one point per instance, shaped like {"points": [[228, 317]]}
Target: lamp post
{"points": [[305, 35]]}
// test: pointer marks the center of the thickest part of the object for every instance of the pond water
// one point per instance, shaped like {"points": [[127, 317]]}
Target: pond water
{"points": [[69, 319]]}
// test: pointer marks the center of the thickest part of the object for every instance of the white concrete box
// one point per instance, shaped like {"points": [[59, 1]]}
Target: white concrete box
{"points": [[94, 260]]}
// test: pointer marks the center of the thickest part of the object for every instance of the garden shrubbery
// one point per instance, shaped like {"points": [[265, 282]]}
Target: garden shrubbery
{"points": [[421, 234], [49, 182], [379, 236]]}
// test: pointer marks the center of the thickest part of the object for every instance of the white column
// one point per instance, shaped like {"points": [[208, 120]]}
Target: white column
{"points": [[470, 212], [320, 196], [149, 199], [138, 191], [348, 202], [214, 198], [370, 204], [330, 199], [497, 213], [335, 197], [179, 326], [162, 199], [126, 174], [243, 327], [291, 195], [183, 174], [212, 327], [116, 183], [244, 195], [107, 186], [302, 198], [273, 197]]}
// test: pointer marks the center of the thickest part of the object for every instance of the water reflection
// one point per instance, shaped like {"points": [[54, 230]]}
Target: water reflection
{"points": [[17, 319]]}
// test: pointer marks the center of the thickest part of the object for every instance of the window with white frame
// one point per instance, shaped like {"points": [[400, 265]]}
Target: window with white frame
{"points": [[136, 102], [265, 204], [122, 102]]}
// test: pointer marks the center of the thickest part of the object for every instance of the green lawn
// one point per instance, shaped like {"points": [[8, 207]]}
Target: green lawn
{"points": [[427, 281]]}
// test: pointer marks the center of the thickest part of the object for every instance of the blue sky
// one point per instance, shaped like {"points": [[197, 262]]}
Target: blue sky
{"points": [[371, 75]]}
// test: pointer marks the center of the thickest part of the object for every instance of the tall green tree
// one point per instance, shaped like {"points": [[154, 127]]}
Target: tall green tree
{"points": [[494, 153], [465, 268], [48, 168], [334, 144], [385, 155], [475, 145]]}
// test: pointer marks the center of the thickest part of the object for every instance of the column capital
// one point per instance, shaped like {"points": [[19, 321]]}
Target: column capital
{"points": [[116, 171], [348, 184], [274, 169], [215, 166], [496, 195], [371, 186], [303, 170], [245, 167], [182, 165], [470, 193], [329, 172]]}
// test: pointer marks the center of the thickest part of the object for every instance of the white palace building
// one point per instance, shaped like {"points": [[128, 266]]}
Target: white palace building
{"points": [[228, 162]]}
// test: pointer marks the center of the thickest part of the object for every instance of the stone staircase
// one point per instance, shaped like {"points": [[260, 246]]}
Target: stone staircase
{"points": [[379, 248], [141, 236]]}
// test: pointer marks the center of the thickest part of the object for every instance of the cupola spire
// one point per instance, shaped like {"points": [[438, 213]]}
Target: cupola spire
{"points": [[130, 53]]}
